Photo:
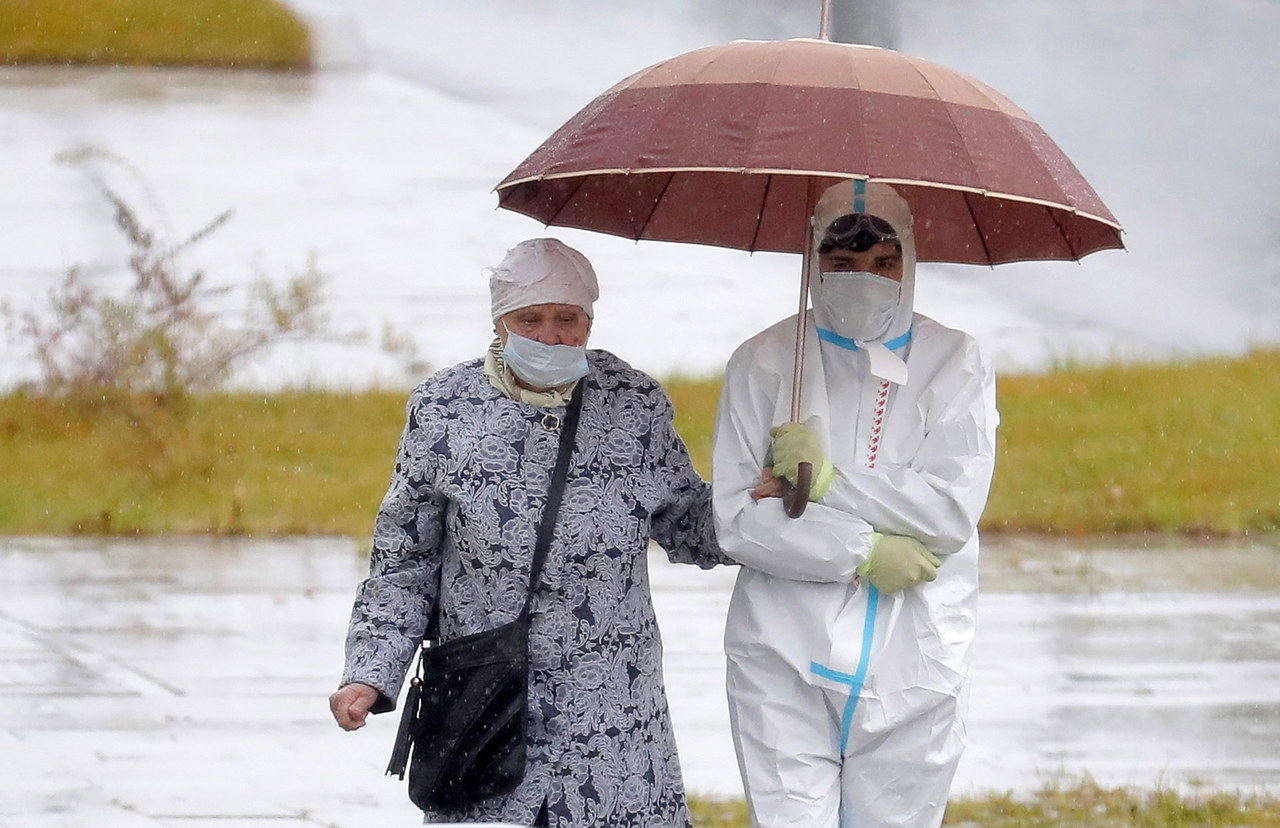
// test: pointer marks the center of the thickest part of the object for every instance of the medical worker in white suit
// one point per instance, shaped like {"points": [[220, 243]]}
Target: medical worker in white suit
{"points": [[849, 629]]}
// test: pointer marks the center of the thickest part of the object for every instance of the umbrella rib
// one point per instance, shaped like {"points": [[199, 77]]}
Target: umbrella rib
{"points": [[1062, 231], [750, 152], [946, 109], [560, 209], [764, 200], [656, 202], [968, 205], [1047, 205], [982, 239]]}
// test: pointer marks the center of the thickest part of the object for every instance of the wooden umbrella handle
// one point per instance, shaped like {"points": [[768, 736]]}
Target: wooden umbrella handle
{"points": [[796, 498]]}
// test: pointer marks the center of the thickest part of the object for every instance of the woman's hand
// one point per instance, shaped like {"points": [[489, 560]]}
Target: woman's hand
{"points": [[350, 705], [770, 486]]}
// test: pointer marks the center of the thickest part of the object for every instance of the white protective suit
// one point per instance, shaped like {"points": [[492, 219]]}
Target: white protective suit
{"points": [[847, 705]]}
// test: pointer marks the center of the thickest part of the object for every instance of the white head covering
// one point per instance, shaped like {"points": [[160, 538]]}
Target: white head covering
{"points": [[880, 200], [539, 272]]}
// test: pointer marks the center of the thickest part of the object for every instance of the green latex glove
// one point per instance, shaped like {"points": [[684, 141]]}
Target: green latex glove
{"points": [[897, 562], [796, 443]]}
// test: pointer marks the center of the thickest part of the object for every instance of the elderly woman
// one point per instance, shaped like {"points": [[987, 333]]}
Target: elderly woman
{"points": [[457, 526]]}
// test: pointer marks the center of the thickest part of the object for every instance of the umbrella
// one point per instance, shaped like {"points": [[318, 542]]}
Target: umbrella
{"points": [[730, 145]]}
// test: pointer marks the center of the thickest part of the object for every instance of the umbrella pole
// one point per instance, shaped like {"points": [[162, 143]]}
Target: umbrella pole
{"points": [[802, 329], [824, 28], [795, 499]]}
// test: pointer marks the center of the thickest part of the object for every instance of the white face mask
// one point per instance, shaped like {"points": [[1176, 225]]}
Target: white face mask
{"points": [[857, 305], [544, 366]]}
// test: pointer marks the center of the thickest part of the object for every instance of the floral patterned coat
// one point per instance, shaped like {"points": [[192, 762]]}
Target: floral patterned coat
{"points": [[470, 481]]}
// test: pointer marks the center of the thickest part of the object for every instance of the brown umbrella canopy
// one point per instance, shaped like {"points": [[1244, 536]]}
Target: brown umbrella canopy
{"points": [[725, 146]]}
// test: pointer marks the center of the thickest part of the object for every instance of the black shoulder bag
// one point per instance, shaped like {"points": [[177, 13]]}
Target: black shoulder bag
{"points": [[462, 732]]}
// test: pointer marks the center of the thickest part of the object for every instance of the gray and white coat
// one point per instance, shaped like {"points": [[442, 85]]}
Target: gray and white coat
{"points": [[470, 481]]}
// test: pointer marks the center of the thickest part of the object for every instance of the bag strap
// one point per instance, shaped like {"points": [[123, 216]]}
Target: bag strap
{"points": [[547, 528]]}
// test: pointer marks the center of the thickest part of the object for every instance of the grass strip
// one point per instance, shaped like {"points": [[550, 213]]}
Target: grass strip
{"points": [[238, 34], [295, 462], [1189, 447], [1182, 447], [1075, 804]]}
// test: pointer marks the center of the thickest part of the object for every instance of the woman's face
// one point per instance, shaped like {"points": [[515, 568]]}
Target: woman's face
{"points": [[550, 324]]}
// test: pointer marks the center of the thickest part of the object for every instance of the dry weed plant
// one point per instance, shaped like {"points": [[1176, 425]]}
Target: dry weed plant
{"points": [[169, 333]]}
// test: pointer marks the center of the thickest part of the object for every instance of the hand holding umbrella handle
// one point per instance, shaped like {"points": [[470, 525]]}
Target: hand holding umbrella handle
{"points": [[796, 498]]}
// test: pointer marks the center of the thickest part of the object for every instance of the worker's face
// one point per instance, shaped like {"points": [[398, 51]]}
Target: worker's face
{"points": [[883, 259], [550, 324]]}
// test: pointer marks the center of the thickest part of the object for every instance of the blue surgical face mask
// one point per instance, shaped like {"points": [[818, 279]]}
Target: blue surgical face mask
{"points": [[857, 305], [544, 366]]}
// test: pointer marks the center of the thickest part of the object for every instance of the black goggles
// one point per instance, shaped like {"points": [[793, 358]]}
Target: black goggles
{"points": [[857, 232]]}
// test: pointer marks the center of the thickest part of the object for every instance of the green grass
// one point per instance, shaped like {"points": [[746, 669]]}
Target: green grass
{"points": [[712, 812], [695, 401], [1166, 448], [241, 34], [1082, 804], [1188, 447], [294, 462]]}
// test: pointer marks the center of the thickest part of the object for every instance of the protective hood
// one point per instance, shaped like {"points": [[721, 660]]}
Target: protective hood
{"points": [[878, 200]]}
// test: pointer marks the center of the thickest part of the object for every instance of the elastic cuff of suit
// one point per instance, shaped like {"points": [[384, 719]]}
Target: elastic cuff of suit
{"points": [[822, 481]]}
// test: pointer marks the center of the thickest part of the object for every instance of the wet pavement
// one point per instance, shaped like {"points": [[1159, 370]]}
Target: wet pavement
{"points": [[183, 681]]}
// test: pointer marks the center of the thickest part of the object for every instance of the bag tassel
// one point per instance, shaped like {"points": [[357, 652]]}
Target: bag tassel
{"points": [[404, 739]]}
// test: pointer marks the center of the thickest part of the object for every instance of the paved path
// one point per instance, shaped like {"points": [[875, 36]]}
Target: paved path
{"points": [[182, 683], [163, 683]]}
